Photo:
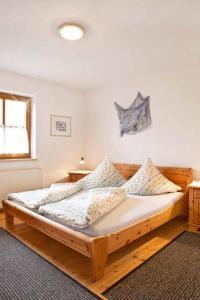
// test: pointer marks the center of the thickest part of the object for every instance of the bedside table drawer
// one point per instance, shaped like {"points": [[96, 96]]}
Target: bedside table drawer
{"points": [[75, 177], [196, 193], [196, 212], [194, 204]]}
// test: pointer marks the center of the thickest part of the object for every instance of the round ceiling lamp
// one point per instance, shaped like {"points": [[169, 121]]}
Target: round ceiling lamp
{"points": [[71, 32]]}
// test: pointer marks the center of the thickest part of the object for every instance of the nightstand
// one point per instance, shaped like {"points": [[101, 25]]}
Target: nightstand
{"points": [[77, 175], [194, 204]]}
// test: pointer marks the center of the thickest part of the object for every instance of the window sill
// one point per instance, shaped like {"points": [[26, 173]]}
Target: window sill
{"points": [[17, 159]]}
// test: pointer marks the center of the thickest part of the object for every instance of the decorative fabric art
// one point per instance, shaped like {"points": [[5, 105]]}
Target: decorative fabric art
{"points": [[136, 117]]}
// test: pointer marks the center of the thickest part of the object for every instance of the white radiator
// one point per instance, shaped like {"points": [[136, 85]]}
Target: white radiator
{"points": [[18, 181]]}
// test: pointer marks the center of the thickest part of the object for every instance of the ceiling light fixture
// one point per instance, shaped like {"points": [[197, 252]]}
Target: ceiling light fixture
{"points": [[71, 32]]}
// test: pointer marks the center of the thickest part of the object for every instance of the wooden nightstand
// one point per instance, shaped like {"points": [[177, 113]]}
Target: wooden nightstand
{"points": [[77, 175], [194, 205]]}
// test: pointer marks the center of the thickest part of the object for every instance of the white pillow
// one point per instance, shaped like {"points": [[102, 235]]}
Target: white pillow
{"points": [[104, 175], [149, 181]]}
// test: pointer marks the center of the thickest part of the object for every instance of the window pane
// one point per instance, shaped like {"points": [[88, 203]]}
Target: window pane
{"points": [[1, 112], [16, 140], [15, 113]]}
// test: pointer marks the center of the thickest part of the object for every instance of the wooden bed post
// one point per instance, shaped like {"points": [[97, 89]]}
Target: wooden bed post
{"points": [[99, 252], [9, 221], [8, 217]]}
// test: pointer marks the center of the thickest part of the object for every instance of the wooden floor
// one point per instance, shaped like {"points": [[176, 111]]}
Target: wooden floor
{"points": [[119, 263]]}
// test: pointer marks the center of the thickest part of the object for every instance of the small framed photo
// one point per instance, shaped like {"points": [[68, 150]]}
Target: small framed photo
{"points": [[60, 126]]}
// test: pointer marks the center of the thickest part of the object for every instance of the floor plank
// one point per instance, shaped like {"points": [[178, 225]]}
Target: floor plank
{"points": [[119, 263]]}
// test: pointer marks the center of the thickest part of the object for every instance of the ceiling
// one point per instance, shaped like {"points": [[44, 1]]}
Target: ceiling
{"points": [[122, 36]]}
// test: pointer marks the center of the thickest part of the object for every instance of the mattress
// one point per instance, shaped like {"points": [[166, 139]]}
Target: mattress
{"points": [[130, 211]]}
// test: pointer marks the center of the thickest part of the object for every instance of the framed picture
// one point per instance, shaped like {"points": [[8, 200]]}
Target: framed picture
{"points": [[60, 126]]}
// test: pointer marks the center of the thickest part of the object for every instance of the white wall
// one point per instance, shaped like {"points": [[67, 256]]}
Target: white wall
{"points": [[174, 136], [173, 139], [56, 155]]}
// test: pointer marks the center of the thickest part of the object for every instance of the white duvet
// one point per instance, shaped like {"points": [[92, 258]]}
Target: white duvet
{"points": [[34, 199], [85, 209]]}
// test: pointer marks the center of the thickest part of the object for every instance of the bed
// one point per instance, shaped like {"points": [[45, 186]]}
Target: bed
{"points": [[100, 240]]}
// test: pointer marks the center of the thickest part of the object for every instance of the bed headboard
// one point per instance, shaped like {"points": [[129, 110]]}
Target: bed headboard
{"points": [[180, 176]]}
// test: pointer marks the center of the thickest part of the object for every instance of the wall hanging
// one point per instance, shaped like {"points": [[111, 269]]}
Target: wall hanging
{"points": [[60, 126], [136, 117]]}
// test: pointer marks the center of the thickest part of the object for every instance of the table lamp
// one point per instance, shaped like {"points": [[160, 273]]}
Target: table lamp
{"points": [[82, 163]]}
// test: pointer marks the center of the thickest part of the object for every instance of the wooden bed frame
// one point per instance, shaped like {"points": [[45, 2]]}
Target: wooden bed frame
{"points": [[98, 248]]}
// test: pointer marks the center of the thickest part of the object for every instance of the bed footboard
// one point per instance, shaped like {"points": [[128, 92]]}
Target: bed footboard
{"points": [[94, 248]]}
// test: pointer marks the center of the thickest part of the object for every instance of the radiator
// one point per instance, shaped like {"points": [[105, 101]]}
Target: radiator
{"points": [[18, 181]]}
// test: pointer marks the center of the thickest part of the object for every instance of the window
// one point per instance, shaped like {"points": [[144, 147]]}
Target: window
{"points": [[15, 126]]}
